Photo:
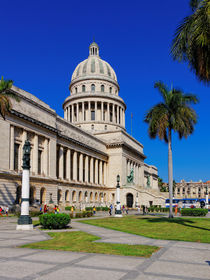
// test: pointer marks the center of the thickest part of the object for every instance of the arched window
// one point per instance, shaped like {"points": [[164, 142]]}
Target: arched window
{"points": [[102, 88], [80, 196], [83, 88], [110, 90], [75, 89], [74, 196], [92, 88]]}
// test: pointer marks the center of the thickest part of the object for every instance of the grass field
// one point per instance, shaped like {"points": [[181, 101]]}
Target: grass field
{"points": [[182, 229], [83, 242]]}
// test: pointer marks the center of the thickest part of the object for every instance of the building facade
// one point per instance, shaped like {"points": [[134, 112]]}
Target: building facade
{"points": [[192, 189], [75, 159]]}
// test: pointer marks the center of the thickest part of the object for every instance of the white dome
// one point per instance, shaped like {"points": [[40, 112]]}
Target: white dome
{"points": [[94, 67]]}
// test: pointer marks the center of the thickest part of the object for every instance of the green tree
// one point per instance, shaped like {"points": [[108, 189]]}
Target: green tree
{"points": [[173, 114], [191, 41], [161, 185], [5, 95]]}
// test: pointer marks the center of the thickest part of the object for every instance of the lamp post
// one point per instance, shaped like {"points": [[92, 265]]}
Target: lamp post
{"points": [[207, 197], [118, 212], [25, 221]]}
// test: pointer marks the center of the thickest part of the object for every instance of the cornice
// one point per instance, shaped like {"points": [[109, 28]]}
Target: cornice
{"points": [[87, 95]]}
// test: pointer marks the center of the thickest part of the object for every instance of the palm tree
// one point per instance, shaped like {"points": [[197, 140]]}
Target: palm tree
{"points": [[174, 113], [192, 40], [5, 95]]}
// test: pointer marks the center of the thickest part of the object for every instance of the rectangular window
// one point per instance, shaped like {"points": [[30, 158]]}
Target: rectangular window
{"points": [[16, 156], [92, 115], [39, 162]]}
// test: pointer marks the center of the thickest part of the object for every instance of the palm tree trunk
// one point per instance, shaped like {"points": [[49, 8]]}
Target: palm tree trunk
{"points": [[170, 174]]}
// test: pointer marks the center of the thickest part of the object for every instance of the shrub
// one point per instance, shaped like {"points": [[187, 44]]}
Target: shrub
{"points": [[89, 208], [194, 212], [98, 208], [89, 213], [54, 221], [105, 208], [78, 215], [68, 208]]}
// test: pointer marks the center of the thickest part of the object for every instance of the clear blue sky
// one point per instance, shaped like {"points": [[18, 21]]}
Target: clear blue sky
{"points": [[43, 41]]}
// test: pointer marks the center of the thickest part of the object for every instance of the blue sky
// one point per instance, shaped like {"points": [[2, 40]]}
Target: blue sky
{"points": [[43, 41]]}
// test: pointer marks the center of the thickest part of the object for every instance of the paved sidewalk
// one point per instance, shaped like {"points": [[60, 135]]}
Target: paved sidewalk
{"points": [[175, 260]]}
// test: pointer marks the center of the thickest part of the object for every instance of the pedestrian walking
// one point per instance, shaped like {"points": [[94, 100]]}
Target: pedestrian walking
{"points": [[127, 210], [7, 210], [143, 210], [1, 210]]}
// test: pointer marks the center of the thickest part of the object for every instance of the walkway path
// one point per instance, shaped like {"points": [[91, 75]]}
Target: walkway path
{"points": [[175, 260]]}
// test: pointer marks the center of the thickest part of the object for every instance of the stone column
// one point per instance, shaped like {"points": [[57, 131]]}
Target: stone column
{"points": [[12, 147], [96, 171], [105, 173], [113, 113], [89, 111], [86, 168], [81, 167], [129, 168], [118, 114], [96, 111], [102, 111], [68, 164], [75, 166], [65, 114], [100, 172], [68, 113], [83, 111], [35, 154], [77, 118], [72, 113], [91, 170], [61, 163], [45, 159], [108, 113]]}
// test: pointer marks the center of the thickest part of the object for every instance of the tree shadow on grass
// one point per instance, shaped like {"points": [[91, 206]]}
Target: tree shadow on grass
{"points": [[180, 221]]}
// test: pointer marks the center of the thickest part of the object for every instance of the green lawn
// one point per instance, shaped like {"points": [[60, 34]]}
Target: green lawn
{"points": [[182, 229], [83, 242]]}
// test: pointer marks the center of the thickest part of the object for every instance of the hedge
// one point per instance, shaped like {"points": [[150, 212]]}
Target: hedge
{"points": [[54, 221], [194, 212], [68, 208], [89, 208], [99, 208]]}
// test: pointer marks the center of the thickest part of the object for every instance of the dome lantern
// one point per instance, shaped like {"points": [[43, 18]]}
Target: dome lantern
{"points": [[93, 49]]}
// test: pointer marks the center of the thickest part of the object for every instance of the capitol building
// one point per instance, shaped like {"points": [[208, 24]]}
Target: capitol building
{"points": [[75, 160]]}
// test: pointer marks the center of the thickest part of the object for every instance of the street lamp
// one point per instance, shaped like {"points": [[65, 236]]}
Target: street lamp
{"points": [[207, 196], [118, 212], [25, 221]]}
